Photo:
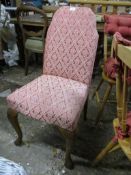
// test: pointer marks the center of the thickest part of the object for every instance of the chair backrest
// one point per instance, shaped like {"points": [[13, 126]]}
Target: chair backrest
{"points": [[28, 18], [113, 24], [71, 44]]}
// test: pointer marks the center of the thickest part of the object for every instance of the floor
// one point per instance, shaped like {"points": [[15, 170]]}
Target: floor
{"points": [[43, 149]]}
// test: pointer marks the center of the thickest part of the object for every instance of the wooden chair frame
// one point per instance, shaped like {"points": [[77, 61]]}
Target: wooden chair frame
{"points": [[102, 102], [22, 11], [103, 3], [120, 121]]}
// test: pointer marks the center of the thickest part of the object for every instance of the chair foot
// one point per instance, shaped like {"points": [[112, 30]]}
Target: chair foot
{"points": [[13, 118], [69, 164], [104, 152], [18, 142]]}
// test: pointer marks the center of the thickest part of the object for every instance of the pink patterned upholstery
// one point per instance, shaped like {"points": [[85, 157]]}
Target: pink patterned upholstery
{"points": [[71, 44], [53, 99], [117, 23], [58, 96]]}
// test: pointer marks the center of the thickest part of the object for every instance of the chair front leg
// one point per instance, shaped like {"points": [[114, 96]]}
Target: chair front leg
{"points": [[13, 118], [69, 138]]}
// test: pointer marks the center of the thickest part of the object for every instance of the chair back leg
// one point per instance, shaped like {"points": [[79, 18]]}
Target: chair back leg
{"points": [[85, 109], [69, 138]]}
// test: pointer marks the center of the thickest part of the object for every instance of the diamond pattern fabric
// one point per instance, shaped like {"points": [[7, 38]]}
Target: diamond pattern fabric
{"points": [[71, 44], [53, 99], [58, 96]]}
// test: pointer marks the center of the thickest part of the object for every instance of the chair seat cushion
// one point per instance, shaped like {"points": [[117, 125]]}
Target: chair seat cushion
{"points": [[118, 23], [53, 99], [34, 44]]}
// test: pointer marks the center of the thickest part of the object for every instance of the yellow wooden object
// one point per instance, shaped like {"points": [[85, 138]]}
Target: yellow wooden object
{"points": [[123, 143], [102, 2], [107, 6], [124, 52], [105, 78], [121, 96], [115, 148]]}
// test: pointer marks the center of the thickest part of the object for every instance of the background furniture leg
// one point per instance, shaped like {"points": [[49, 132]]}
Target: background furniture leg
{"points": [[26, 62], [107, 93], [98, 87], [104, 152]]}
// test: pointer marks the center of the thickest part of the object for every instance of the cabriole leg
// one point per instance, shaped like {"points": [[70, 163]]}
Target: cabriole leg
{"points": [[13, 118]]}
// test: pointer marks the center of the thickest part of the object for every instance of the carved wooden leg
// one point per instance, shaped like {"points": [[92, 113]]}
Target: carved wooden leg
{"points": [[85, 109], [104, 152], [13, 118], [69, 137], [106, 95]]}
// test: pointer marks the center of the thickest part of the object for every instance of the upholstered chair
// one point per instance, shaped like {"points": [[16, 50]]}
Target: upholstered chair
{"points": [[58, 96], [113, 23]]}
